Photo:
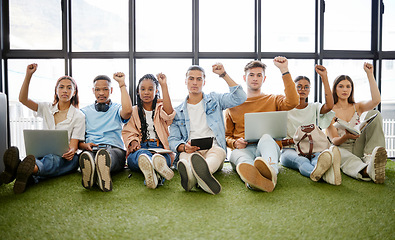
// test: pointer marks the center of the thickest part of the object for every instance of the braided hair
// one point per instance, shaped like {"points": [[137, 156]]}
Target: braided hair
{"points": [[144, 125]]}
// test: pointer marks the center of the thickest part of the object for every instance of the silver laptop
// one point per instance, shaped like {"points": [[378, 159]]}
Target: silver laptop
{"points": [[259, 123], [43, 142]]}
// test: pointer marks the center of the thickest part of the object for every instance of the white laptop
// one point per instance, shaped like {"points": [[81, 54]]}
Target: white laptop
{"points": [[259, 123], [43, 142]]}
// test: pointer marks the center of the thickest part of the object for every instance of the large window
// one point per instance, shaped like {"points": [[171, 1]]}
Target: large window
{"points": [[289, 30], [31, 22], [85, 38], [100, 25], [346, 28]]}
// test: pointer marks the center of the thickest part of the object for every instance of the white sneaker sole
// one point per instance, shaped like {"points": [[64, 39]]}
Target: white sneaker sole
{"points": [[160, 165], [147, 169]]}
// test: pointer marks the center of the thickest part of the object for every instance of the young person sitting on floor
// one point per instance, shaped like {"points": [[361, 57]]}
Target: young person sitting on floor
{"points": [[148, 128], [200, 115]]}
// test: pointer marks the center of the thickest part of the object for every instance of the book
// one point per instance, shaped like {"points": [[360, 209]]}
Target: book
{"points": [[159, 150], [357, 129]]}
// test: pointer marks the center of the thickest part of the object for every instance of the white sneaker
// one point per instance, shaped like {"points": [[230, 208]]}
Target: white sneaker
{"points": [[160, 165], [376, 166], [333, 175], [324, 162], [146, 166], [87, 166], [103, 165], [203, 176], [188, 180]]}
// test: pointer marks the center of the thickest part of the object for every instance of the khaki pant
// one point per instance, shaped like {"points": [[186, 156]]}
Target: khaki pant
{"points": [[214, 156], [353, 152]]}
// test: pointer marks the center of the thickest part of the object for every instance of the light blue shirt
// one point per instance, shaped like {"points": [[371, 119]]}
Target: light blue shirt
{"points": [[104, 127], [214, 104]]}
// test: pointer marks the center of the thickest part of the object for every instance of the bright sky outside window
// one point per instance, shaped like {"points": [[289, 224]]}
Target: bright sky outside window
{"points": [[30, 23]]}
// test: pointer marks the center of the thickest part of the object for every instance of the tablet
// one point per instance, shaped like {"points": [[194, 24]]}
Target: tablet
{"points": [[203, 143]]}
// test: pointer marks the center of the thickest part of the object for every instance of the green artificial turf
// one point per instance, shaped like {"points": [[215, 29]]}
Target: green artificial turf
{"points": [[297, 209]]}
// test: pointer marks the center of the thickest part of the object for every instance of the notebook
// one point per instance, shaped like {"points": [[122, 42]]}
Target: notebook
{"points": [[42, 142], [259, 123]]}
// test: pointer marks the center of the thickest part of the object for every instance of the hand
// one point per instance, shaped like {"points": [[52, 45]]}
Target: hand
{"points": [[321, 70], [218, 68], [31, 68], [69, 154], [368, 68], [190, 149], [162, 79], [281, 63], [240, 143], [87, 146], [349, 135], [134, 146], [119, 77]]}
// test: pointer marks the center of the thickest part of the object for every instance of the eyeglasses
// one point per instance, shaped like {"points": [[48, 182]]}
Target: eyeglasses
{"points": [[300, 87]]}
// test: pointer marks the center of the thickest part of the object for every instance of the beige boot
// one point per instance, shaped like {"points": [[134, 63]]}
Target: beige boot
{"points": [[333, 175], [376, 166]]}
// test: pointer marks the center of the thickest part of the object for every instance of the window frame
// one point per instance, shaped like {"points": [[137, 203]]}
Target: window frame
{"points": [[375, 53]]}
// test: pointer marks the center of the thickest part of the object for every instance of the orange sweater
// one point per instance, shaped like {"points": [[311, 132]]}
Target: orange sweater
{"points": [[234, 117]]}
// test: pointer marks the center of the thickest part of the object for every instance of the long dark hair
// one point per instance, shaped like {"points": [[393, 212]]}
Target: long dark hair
{"points": [[74, 100], [298, 78], [336, 82], [144, 125]]}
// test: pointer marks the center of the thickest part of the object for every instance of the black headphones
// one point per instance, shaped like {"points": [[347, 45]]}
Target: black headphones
{"points": [[102, 107]]}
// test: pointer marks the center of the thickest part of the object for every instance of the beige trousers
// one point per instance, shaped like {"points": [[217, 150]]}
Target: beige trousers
{"points": [[214, 157], [353, 152]]}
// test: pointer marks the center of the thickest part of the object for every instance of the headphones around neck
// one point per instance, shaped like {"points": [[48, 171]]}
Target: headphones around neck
{"points": [[102, 107]]}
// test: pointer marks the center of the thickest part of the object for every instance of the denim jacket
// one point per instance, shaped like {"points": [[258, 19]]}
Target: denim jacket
{"points": [[214, 104]]}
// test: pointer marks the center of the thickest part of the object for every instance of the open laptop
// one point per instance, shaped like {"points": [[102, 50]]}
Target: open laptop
{"points": [[42, 142], [259, 123]]}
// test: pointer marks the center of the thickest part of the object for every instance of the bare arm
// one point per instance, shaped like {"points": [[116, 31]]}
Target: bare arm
{"points": [[219, 69], [321, 70], [167, 106], [24, 93], [73, 146], [334, 136], [126, 110], [374, 91]]}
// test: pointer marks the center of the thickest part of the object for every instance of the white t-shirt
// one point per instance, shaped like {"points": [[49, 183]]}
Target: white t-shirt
{"points": [[74, 123], [198, 122], [150, 123]]}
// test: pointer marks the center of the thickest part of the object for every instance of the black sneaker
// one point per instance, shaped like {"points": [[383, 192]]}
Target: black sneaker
{"points": [[11, 163], [202, 173], [103, 165], [23, 173], [87, 166]]}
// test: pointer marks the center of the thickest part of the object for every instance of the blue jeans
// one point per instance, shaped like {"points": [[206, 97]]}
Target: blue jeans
{"points": [[53, 165], [266, 148], [133, 157], [290, 159]]}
